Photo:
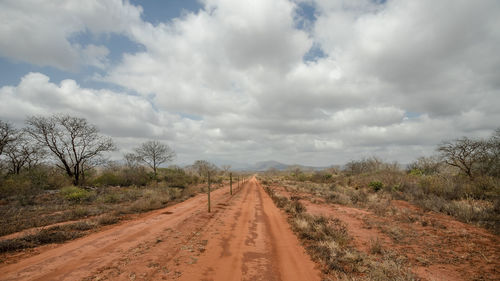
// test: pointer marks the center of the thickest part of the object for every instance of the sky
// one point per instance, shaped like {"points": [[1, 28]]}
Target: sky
{"points": [[312, 82]]}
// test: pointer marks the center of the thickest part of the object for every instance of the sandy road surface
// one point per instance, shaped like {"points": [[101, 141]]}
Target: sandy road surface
{"points": [[244, 238]]}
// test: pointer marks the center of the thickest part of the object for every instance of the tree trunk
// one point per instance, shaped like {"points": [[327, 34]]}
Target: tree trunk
{"points": [[76, 175]]}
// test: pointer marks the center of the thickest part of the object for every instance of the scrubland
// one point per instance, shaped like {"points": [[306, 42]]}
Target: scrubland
{"points": [[377, 221], [44, 207]]}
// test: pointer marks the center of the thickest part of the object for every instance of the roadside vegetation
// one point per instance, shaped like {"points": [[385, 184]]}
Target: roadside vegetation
{"points": [[328, 243], [60, 212], [56, 183], [462, 180]]}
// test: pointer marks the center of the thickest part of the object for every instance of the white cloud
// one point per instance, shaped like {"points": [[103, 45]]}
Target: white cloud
{"points": [[229, 82], [428, 52], [39, 32]]}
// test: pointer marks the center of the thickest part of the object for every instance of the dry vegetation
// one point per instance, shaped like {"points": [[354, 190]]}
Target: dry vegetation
{"points": [[53, 211], [446, 191], [328, 242], [404, 212]]}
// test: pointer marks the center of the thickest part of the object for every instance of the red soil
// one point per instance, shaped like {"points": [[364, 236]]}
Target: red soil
{"points": [[244, 238], [438, 247]]}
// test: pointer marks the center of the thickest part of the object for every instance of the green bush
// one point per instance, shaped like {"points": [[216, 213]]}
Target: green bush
{"points": [[110, 198], [321, 177], [46, 177], [177, 177], [416, 172], [76, 195], [20, 188], [109, 178], [376, 185]]}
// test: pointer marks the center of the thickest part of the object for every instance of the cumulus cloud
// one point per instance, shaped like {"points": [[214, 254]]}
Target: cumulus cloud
{"points": [[427, 53], [39, 32], [230, 81]]}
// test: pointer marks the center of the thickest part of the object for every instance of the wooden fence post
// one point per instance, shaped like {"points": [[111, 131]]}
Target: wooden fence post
{"points": [[209, 192]]}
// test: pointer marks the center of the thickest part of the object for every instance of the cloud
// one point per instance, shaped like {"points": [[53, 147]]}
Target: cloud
{"points": [[427, 53], [117, 114], [39, 32], [230, 81]]}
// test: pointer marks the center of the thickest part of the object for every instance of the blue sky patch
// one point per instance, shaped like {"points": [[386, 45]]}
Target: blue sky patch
{"points": [[155, 11]]}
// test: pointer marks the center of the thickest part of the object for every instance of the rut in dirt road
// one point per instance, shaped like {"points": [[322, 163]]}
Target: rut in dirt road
{"points": [[245, 238], [252, 241]]}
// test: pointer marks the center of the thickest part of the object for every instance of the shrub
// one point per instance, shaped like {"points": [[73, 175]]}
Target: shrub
{"points": [[75, 194], [425, 166], [321, 177], [109, 178], [376, 185], [177, 177], [80, 226], [112, 197], [144, 205], [376, 246], [295, 207], [56, 234], [108, 219], [78, 213], [46, 177]]}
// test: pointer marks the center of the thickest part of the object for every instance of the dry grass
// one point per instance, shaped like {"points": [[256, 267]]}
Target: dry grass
{"points": [[56, 234], [99, 207], [328, 243], [476, 202], [376, 246]]}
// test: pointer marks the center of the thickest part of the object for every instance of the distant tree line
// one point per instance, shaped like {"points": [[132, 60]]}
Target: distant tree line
{"points": [[72, 144], [75, 148]]}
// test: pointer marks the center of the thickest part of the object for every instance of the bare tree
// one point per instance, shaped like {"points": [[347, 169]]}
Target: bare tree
{"points": [[295, 170], [7, 134], [492, 164], [155, 153], [465, 154], [226, 168], [23, 153], [426, 165], [204, 168], [72, 141], [131, 160]]}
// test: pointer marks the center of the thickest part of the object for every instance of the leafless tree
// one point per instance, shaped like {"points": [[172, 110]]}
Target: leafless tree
{"points": [[204, 168], [72, 141], [465, 154], [426, 165], [295, 170], [7, 134], [131, 160], [492, 164], [226, 168], [271, 171], [155, 153], [23, 153], [366, 165]]}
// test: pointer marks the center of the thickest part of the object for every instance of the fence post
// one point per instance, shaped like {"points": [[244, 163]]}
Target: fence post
{"points": [[231, 183], [209, 192]]}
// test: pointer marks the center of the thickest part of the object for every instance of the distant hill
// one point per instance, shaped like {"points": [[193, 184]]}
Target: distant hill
{"points": [[271, 164], [266, 165], [261, 166]]}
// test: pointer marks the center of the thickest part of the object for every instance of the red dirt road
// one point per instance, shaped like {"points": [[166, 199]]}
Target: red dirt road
{"points": [[244, 238]]}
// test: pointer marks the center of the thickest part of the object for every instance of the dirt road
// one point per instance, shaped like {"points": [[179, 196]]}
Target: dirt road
{"points": [[244, 238]]}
